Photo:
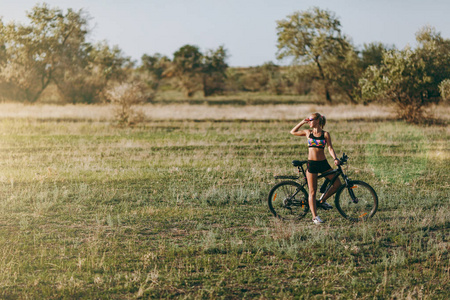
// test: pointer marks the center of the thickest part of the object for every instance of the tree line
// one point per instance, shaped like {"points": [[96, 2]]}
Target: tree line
{"points": [[52, 55], [410, 78]]}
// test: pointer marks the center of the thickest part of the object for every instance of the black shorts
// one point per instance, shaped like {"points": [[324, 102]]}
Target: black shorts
{"points": [[318, 166]]}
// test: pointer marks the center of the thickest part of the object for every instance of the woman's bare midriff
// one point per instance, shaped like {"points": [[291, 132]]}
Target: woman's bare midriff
{"points": [[316, 154]]}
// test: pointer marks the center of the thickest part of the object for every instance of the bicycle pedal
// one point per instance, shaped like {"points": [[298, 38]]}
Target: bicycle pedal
{"points": [[324, 206]]}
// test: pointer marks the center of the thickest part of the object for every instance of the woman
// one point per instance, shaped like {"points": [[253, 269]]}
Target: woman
{"points": [[317, 162]]}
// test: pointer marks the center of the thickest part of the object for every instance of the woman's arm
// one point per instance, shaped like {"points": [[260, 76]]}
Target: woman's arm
{"points": [[295, 130], [331, 149]]}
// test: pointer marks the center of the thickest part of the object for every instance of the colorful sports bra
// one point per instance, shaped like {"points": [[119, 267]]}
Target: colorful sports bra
{"points": [[317, 142]]}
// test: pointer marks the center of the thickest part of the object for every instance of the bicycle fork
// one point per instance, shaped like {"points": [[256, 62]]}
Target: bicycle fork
{"points": [[352, 194], [350, 190]]}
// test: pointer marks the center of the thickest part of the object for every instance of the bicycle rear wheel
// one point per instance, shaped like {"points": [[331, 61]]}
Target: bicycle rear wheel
{"points": [[356, 202], [288, 200]]}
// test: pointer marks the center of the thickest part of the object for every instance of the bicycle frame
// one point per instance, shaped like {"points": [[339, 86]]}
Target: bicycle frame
{"points": [[338, 172]]}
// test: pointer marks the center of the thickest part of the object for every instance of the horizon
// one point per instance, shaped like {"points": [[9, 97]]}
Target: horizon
{"points": [[247, 29]]}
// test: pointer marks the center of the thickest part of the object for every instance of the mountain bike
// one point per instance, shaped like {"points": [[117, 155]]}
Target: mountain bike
{"points": [[355, 200]]}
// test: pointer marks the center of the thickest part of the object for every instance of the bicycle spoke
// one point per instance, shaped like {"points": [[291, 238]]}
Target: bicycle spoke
{"points": [[286, 200], [358, 202]]}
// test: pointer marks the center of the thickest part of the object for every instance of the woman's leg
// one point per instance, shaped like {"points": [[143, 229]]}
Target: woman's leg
{"points": [[333, 189], [312, 185]]}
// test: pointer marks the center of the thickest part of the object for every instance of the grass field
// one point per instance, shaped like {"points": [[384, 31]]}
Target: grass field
{"points": [[176, 207]]}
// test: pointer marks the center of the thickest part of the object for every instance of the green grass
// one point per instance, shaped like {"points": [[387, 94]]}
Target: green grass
{"points": [[177, 209]]}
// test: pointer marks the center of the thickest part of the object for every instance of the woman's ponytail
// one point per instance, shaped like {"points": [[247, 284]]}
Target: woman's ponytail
{"points": [[322, 121], [321, 118]]}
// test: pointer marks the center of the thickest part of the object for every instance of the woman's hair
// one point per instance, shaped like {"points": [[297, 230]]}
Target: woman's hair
{"points": [[321, 118]]}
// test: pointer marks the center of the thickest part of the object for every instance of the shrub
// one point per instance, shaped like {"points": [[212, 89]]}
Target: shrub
{"points": [[412, 79], [444, 89], [125, 96]]}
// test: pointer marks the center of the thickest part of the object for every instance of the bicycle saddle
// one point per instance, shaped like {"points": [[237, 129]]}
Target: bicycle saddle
{"points": [[298, 163]]}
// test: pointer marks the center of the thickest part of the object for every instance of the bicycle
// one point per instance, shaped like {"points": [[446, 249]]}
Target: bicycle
{"points": [[355, 200]]}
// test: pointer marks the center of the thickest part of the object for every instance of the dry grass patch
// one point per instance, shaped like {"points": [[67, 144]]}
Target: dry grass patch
{"points": [[101, 113], [263, 112]]}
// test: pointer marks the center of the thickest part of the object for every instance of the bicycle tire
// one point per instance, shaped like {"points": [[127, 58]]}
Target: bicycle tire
{"points": [[288, 200], [362, 206]]}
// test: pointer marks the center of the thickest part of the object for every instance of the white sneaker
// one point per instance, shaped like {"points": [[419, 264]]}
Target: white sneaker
{"points": [[317, 220]]}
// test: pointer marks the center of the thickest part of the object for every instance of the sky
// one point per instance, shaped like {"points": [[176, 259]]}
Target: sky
{"points": [[246, 28]]}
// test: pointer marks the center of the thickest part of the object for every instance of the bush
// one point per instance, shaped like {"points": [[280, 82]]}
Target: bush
{"points": [[125, 96], [412, 79], [444, 89]]}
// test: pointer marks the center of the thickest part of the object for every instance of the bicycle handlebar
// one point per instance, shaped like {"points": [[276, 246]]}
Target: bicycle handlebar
{"points": [[343, 159]]}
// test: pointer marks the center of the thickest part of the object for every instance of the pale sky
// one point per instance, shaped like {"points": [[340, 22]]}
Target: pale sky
{"points": [[247, 28]]}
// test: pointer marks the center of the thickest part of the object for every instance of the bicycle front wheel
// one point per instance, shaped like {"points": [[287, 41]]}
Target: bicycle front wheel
{"points": [[288, 200], [356, 202]]}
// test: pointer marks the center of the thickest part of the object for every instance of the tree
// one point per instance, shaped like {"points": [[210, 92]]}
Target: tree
{"points": [[311, 37], [434, 51], [36, 53], [195, 71], [275, 81], [344, 70], [155, 66], [86, 81], [299, 79], [187, 67], [52, 50], [412, 79], [372, 54], [444, 89], [253, 79], [214, 71]]}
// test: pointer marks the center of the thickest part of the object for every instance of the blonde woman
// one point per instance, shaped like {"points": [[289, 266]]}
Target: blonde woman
{"points": [[317, 162]]}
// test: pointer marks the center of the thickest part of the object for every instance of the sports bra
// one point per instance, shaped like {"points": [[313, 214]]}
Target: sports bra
{"points": [[317, 142]]}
